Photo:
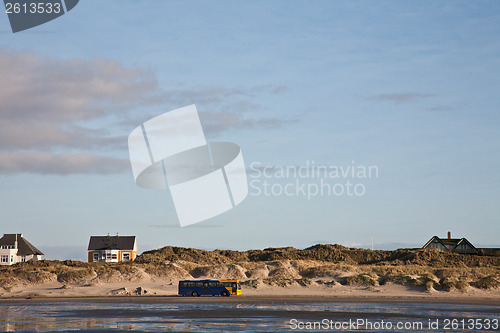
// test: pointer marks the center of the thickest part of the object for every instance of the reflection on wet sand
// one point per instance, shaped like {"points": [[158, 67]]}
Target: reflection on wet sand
{"points": [[213, 317]]}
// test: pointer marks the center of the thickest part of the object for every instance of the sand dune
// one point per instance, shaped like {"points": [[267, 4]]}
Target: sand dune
{"points": [[321, 270]]}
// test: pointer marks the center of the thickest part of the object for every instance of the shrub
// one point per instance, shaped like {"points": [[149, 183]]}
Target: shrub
{"points": [[488, 283], [279, 281], [447, 284], [360, 280], [319, 271], [461, 285], [327, 283], [251, 283], [304, 282], [423, 280], [74, 276]]}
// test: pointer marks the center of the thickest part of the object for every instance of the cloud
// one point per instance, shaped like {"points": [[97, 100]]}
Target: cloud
{"points": [[271, 89], [59, 164], [45, 99], [400, 97], [214, 123], [62, 116], [222, 109], [207, 95], [220, 95]]}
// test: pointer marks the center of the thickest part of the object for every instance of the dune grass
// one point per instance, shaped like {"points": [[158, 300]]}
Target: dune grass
{"points": [[321, 264]]}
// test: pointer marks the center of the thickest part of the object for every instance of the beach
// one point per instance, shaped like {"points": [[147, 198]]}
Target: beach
{"points": [[321, 270], [148, 302], [326, 287], [151, 287], [245, 313]]}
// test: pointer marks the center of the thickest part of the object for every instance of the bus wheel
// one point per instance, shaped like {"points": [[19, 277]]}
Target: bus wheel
{"points": [[195, 293], [225, 293]]}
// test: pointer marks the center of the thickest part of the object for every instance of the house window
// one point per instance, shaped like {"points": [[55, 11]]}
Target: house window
{"points": [[96, 256], [108, 256], [126, 257], [23, 259], [114, 256], [4, 258], [11, 258]]}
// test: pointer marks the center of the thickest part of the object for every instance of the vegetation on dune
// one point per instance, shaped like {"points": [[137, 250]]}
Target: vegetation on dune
{"points": [[361, 280], [251, 283], [326, 253], [327, 283], [488, 282], [448, 284], [279, 281], [67, 272], [322, 264]]}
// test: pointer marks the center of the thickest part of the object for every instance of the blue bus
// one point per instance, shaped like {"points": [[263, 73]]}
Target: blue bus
{"points": [[209, 287]]}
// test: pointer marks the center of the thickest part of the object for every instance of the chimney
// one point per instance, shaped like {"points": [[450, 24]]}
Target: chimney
{"points": [[449, 234], [108, 234], [117, 234]]}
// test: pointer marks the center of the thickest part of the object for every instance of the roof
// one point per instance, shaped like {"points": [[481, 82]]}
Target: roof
{"points": [[24, 247], [450, 242], [111, 243], [464, 240]]}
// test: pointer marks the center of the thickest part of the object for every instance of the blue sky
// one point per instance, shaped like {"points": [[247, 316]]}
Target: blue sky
{"points": [[409, 87]]}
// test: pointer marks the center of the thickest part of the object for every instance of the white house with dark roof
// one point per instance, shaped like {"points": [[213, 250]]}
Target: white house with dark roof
{"points": [[112, 248], [15, 248]]}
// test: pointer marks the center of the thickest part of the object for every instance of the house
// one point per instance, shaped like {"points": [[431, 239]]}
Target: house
{"points": [[15, 248], [457, 245], [112, 248]]}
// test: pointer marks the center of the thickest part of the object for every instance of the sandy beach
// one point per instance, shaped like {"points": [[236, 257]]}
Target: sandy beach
{"points": [[166, 291], [117, 305], [330, 271], [267, 311]]}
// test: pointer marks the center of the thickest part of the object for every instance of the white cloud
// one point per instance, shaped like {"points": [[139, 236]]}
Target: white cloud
{"points": [[54, 111], [44, 99]]}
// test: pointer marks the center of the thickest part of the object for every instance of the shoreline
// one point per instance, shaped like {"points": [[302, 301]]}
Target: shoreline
{"points": [[283, 299], [165, 291]]}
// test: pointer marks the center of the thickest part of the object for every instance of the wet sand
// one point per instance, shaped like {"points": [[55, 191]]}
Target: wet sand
{"points": [[263, 313], [245, 299]]}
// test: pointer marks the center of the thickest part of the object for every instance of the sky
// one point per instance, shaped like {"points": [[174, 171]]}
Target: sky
{"points": [[408, 89]]}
